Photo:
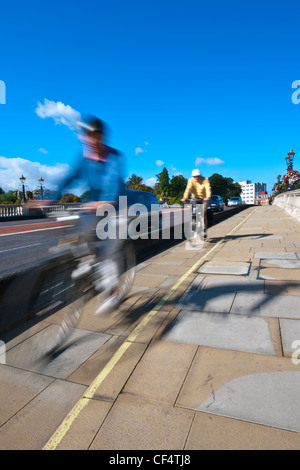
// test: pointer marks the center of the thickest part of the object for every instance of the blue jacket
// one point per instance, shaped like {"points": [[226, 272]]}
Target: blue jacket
{"points": [[104, 180]]}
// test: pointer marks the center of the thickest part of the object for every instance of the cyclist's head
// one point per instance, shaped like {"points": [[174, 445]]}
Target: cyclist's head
{"points": [[196, 173], [91, 135], [92, 126]]}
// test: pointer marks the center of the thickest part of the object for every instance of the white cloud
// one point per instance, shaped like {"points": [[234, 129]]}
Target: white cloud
{"points": [[151, 181], [61, 113], [209, 161], [11, 169], [171, 168], [159, 162], [138, 150], [43, 151]]}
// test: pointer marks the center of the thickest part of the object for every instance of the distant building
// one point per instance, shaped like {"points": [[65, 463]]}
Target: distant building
{"points": [[250, 191]]}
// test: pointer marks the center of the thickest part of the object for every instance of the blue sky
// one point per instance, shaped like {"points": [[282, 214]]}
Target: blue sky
{"points": [[187, 83]]}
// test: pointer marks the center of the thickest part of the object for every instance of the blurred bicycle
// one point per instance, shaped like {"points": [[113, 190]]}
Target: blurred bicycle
{"points": [[77, 271]]}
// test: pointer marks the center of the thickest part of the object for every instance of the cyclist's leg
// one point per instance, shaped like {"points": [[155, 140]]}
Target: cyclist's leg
{"points": [[116, 270]]}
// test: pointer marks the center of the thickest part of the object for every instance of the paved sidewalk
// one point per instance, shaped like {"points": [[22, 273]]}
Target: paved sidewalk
{"points": [[202, 355]]}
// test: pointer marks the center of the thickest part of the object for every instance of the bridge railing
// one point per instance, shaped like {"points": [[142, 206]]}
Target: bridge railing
{"points": [[10, 210], [290, 202], [17, 210]]}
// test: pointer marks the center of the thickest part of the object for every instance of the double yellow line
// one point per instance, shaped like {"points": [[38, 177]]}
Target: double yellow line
{"points": [[62, 430]]}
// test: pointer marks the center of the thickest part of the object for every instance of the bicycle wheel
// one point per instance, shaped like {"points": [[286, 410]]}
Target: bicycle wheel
{"points": [[54, 310]]}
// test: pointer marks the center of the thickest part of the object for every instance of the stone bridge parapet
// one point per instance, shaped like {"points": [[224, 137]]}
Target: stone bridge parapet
{"points": [[290, 202]]}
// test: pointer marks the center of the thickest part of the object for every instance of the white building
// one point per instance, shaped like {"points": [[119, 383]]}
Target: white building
{"points": [[250, 190]]}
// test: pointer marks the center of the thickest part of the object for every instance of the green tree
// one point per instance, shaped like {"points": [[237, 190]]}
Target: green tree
{"points": [[133, 180], [86, 196], [69, 197], [164, 182], [224, 187], [177, 186], [142, 187], [8, 198]]}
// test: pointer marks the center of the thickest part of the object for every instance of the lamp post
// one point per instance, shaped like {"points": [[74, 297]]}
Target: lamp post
{"points": [[41, 181], [23, 179], [289, 160]]}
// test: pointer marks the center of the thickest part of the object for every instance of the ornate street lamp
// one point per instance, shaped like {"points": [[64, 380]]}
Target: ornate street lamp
{"points": [[289, 160], [41, 181], [23, 179]]}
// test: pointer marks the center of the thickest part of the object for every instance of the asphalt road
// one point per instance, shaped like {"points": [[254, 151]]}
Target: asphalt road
{"points": [[25, 243]]}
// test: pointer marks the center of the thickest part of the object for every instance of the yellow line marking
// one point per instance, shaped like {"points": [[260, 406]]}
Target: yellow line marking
{"points": [[62, 430]]}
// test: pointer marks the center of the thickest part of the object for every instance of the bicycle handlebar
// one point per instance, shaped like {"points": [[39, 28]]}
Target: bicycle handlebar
{"points": [[195, 200]]}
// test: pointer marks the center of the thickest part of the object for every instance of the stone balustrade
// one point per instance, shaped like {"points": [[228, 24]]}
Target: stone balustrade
{"points": [[290, 202], [11, 210], [17, 210]]}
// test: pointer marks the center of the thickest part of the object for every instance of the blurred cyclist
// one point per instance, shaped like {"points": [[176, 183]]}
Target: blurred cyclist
{"points": [[199, 186], [100, 168]]}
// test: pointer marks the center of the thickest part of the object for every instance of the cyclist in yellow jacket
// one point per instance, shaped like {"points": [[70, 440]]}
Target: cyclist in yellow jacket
{"points": [[199, 186]]}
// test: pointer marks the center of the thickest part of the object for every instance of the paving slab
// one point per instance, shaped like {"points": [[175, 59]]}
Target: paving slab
{"points": [[154, 377], [275, 255], [112, 385], [173, 270], [237, 385], [233, 268], [268, 237], [240, 255], [212, 432], [168, 262], [169, 282], [214, 300], [277, 404], [230, 284], [86, 426], [281, 263], [28, 429], [17, 388], [80, 345], [134, 423], [283, 274], [251, 228], [149, 280], [222, 331], [282, 287], [266, 305]]}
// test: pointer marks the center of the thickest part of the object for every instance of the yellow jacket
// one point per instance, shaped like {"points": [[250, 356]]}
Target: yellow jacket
{"points": [[199, 189]]}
